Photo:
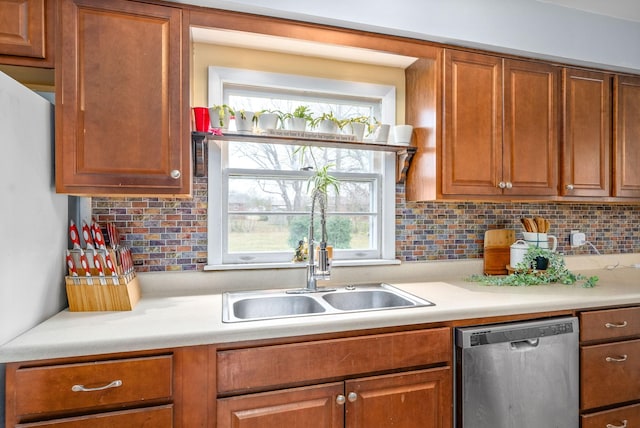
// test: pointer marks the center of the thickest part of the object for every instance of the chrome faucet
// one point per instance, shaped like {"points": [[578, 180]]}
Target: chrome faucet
{"points": [[321, 268]]}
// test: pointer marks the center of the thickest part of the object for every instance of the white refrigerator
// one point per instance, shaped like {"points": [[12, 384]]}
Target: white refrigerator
{"points": [[33, 218]]}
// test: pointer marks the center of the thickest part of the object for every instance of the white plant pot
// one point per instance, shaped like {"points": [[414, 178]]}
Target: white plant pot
{"points": [[357, 129], [246, 124], [402, 134], [381, 134], [295, 124], [328, 127], [268, 121], [216, 122]]}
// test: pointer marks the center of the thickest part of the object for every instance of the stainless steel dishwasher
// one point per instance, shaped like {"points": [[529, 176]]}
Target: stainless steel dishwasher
{"points": [[522, 375]]}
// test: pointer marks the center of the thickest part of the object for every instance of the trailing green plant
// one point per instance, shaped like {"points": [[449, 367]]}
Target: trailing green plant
{"points": [[222, 110], [327, 116], [302, 112], [526, 274], [243, 115]]}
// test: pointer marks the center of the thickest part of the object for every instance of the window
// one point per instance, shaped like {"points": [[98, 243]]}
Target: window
{"points": [[259, 203]]}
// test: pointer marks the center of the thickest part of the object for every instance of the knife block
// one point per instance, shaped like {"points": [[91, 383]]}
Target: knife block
{"points": [[102, 293]]}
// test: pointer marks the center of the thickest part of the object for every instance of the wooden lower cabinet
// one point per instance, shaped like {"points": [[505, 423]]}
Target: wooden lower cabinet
{"points": [[622, 417], [156, 417], [413, 399]]}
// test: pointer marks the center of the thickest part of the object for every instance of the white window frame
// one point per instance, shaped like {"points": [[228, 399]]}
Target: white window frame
{"points": [[218, 77]]}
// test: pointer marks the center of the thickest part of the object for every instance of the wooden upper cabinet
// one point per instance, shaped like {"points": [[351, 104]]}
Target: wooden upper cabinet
{"points": [[531, 128], [26, 32], [472, 132], [626, 141], [586, 146], [122, 115], [500, 127]]}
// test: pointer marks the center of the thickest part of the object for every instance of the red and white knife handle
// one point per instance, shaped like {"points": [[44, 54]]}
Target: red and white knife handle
{"points": [[74, 236], [86, 234]]}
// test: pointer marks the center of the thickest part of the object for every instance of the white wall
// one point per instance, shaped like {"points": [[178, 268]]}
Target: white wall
{"points": [[33, 219], [527, 27]]}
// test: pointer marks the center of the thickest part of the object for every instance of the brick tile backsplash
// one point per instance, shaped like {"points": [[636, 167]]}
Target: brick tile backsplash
{"points": [[171, 234]]}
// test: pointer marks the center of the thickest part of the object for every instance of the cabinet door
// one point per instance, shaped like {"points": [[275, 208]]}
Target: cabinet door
{"points": [[121, 113], [586, 146], [157, 417], [472, 132], [309, 407], [23, 31], [530, 146], [419, 399], [626, 142]]}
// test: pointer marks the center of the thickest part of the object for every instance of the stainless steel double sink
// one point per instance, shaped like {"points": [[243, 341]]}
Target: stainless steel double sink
{"points": [[268, 304]]}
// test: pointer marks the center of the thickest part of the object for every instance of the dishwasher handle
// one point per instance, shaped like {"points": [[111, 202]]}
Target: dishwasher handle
{"points": [[522, 345]]}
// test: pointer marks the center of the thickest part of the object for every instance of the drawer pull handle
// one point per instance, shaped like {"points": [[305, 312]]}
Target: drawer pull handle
{"points": [[81, 388], [620, 359], [616, 325], [624, 425]]}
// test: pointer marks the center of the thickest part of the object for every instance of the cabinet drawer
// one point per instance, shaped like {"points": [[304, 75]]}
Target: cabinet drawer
{"points": [[92, 385], [281, 365], [627, 416], [609, 324], [610, 374], [157, 417]]}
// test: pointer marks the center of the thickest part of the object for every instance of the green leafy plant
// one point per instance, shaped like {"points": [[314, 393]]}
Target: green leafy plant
{"points": [[526, 274], [302, 112], [223, 110], [322, 179], [330, 117]]}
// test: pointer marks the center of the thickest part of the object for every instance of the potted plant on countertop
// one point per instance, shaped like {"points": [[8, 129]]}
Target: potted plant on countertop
{"points": [[298, 119], [526, 272]]}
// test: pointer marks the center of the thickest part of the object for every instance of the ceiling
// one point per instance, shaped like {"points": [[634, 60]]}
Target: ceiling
{"points": [[622, 9]]}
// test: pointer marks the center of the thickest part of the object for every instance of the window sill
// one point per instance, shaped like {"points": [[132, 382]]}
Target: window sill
{"points": [[301, 265]]}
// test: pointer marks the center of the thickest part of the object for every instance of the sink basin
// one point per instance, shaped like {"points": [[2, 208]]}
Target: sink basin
{"points": [[366, 299], [269, 304], [276, 307]]}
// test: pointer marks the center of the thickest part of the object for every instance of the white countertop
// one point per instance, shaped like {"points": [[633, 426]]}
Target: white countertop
{"points": [[164, 320]]}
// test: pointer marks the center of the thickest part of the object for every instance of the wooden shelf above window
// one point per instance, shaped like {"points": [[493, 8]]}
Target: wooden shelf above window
{"points": [[404, 154]]}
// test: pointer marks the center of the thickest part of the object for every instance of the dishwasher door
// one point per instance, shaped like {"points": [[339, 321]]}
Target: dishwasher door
{"points": [[522, 375]]}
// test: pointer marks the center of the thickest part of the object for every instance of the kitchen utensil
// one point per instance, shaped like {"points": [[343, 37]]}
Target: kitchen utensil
{"points": [[98, 237], [86, 234], [497, 244], [109, 263], [74, 236], [84, 262], [97, 264], [71, 264]]}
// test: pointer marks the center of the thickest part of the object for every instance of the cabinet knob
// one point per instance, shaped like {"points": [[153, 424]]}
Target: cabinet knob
{"points": [[352, 397], [502, 185], [175, 174], [569, 187], [623, 424], [340, 399], [509, 185]]}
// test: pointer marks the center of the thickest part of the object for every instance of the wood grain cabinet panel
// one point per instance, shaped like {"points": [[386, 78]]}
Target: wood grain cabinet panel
{"points": [[26, 32], [54, 389], [309, 407], [622, 417], [418, 399], [627, 137], [609, 324], [500, 133], [155, 417], [587, 144], [122, 118]]}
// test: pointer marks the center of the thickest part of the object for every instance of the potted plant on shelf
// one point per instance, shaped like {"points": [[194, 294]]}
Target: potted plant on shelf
{"points": [[245, 120], [327, 123], [219, 116], [297, 121], [267, 119], [357, 126]]}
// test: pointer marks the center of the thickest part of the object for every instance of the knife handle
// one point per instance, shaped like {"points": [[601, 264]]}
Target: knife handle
{"points": [[74, 236]]}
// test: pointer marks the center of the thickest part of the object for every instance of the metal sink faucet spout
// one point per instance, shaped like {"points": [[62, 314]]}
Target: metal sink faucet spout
{"points": [[321, 268]]}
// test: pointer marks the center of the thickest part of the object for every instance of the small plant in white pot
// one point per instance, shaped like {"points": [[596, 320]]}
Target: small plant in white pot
{"points": [[298, 119], [327, 123], [245, 120], [267, 119], [220, 115], [357, 126]]}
